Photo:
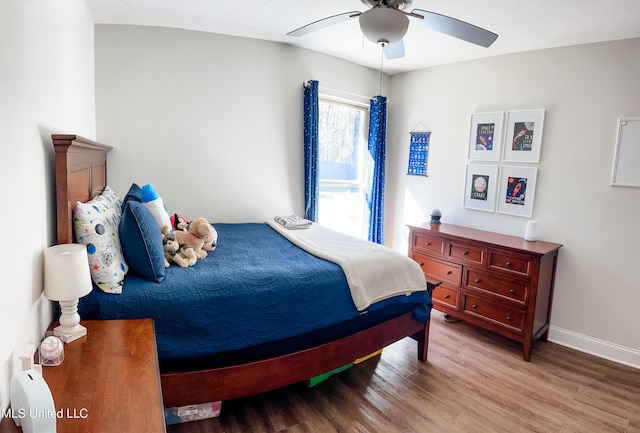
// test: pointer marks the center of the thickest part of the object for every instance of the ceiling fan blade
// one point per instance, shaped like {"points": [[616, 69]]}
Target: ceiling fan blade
{"points": [[324, 22], [394, 51], [456, 28]]}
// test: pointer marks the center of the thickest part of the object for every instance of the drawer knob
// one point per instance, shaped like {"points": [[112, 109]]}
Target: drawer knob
{"points": [[447, 296], [466, 253], [478, 280], [474, 306], [509, 318], [428, 244], [512, 291], [449, 272], [508, 264], [421, 264]]}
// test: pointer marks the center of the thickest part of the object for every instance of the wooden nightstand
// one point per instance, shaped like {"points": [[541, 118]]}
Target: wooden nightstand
{"points": [[108, 382]]}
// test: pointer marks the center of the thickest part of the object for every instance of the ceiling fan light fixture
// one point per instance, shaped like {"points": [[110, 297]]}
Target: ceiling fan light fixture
{"points": [[384, 25]]}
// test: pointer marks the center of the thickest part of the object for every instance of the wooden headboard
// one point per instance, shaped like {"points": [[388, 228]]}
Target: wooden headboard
{"points": [[81, 174]]}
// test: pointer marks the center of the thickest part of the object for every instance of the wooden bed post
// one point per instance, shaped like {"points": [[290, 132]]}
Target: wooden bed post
{"points": [[422, 338]]}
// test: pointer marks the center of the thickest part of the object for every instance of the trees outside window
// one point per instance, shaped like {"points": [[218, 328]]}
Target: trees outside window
{"points": [[342, 139]]}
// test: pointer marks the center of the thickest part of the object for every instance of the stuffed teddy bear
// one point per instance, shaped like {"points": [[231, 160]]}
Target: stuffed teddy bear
{"points": [[199, 232], [183, 256]]}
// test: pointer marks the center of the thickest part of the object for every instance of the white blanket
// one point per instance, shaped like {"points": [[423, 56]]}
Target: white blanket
{"points": [[374, 272]]}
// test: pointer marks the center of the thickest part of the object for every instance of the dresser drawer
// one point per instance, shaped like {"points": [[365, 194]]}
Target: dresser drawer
{"points": [[447, 296], [448, 273], [511, 289], [426, 244], [495, 312], [472, 255], [510, 263]]}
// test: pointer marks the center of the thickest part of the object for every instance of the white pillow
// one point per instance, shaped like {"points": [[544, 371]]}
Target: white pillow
{"points": [[154, 203], [96, 226]]}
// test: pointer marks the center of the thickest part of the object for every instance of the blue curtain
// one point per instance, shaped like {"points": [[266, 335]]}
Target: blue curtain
{"points": [[311, 172], [376, 147]]}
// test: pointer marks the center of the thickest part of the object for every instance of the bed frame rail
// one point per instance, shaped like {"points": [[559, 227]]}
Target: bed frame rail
{"points": [[180, 389]]}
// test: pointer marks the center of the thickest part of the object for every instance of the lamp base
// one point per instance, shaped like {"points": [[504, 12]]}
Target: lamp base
{"points": [[70, 334]]}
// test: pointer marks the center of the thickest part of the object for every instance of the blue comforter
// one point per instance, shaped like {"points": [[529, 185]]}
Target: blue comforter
{"points": [[256, 287]]}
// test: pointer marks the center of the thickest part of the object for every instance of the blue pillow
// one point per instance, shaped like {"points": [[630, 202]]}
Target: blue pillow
{"points": [[134, 193], [141, 241]]}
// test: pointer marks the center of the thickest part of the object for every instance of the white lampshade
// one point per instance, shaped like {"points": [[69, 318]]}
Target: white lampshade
{"points": [[66, 279], [384, 25], [66, 272]]}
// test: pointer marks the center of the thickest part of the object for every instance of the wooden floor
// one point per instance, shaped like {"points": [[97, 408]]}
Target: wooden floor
{"points": [[474, 381]]}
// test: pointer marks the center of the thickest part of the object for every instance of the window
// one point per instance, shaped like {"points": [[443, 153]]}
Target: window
{"points": [[342, 138]]}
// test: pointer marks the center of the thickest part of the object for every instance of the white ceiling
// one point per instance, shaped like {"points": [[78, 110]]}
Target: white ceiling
{"points": [[522, 25]]}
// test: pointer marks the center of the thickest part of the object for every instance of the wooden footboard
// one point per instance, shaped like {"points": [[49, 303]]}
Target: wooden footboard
{"points": [[194, 387]]}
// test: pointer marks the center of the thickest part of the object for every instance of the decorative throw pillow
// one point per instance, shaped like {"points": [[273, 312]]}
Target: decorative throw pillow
{"points": [[154, 203], [142, 242], [96, 226], [134, 193]]}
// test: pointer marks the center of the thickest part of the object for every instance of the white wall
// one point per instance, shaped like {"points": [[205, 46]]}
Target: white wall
{"points": [[47, 86], [213, 122], [584, 89]]}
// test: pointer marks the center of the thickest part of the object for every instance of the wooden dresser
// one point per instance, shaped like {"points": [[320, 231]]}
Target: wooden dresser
{"points": [[499, 282]]}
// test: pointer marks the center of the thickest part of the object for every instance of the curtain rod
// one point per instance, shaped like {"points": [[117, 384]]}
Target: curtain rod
{"points": [[327, 89], [342, 92]]}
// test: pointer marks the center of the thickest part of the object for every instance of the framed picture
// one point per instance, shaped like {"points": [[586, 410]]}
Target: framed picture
{"points": [[523, 136], [418, 153], [480, 187], [517, 190], [485, 136]]}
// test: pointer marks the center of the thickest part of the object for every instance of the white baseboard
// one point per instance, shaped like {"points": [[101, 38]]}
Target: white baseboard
{"points": [[593, 346]]}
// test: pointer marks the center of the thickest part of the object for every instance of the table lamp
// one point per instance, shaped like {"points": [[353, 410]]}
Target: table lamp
{"points": [[66, 279]]}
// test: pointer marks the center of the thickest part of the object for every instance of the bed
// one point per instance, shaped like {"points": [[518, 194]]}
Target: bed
{"points": [[222, 355]]}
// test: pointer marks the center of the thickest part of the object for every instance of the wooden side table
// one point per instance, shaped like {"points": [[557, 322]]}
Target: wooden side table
{"points": [[109, 381]]}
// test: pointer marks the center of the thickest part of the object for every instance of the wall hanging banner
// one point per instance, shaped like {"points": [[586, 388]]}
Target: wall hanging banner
{"points": [[419, 153]]}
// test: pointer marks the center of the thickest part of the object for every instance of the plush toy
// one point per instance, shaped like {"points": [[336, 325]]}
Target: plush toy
{"points": [[187, 253], [173, 252], [200, 231], [154, 203], [211, 241], [179, 222], [170, 246]]}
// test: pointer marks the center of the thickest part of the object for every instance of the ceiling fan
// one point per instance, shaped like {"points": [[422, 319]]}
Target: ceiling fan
{"points": [[386, 23]]}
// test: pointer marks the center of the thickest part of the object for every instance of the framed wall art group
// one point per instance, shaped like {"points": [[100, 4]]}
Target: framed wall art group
{"points": [[491, 186]]}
